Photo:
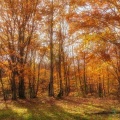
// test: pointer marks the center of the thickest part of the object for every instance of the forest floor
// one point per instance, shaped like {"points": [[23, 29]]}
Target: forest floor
{"points": [[69, 108]]}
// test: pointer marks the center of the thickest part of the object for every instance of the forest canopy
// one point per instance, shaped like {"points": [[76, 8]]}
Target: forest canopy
{"points": [[59, 47]]}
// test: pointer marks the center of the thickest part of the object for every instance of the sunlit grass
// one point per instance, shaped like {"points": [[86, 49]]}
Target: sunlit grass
{"points": [[56, 110], [19, 111]]}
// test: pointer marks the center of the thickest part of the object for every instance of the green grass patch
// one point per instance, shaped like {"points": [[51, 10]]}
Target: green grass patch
{"points": [[51, 109]]}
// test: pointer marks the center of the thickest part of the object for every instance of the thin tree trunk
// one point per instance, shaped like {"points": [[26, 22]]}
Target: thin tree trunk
{"points": [[68, 81], [51, 87], [37, 85], [78, 69], [108, 82], [104, 92], [60, 60], [65, 73], [13, 86], [2, 86], [84, 75]]}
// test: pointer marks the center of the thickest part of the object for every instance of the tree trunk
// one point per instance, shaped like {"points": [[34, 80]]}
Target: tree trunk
{"points": [[13, 86], [68, 81], [2, 86], [51, 88], [21, 87], [100, 90], [84, 75], [108, 82], [79, 76], [38, 81]]}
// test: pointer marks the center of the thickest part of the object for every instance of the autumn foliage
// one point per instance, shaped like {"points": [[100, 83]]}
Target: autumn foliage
{"points": [[61, 48]]}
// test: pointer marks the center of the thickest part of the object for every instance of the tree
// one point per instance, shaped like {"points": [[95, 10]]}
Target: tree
{"points": [[18, 20], [51, 88]]}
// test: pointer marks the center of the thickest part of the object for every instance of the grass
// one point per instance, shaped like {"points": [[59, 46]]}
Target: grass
{"points": [[66, 109]]}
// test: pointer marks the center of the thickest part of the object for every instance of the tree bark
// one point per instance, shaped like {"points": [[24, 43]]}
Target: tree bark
{"points": [[51, 87]]}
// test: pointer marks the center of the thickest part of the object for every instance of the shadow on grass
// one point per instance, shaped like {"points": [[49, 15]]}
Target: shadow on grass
{"points": [[32, 110], [36, 111]]}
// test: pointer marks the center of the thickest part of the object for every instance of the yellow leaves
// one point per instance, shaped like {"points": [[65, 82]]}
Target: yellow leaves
{"points": [[91, 37]]}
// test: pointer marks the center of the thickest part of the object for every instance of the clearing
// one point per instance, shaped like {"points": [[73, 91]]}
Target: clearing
{"points": [[69, 108]]}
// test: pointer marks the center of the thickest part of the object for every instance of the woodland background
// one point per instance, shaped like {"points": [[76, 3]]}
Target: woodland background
{"points": [[60, 48], [63, 53]]}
